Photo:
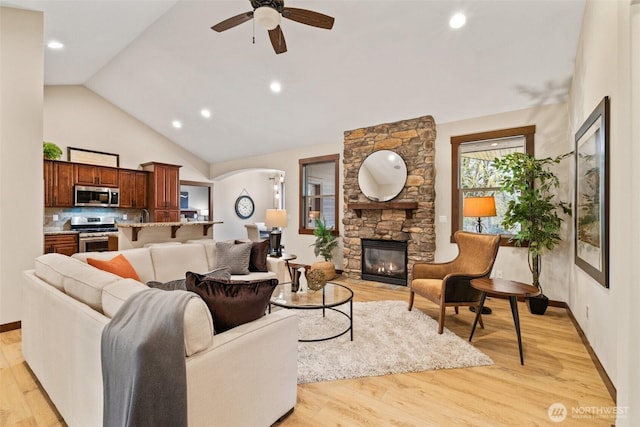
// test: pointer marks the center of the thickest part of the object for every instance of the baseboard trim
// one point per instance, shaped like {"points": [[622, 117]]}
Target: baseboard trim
{"points": [[10, 326], [603, 374]]}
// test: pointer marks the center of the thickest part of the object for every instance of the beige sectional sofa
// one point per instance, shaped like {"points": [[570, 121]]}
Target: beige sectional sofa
{"points": [[246, 376]]}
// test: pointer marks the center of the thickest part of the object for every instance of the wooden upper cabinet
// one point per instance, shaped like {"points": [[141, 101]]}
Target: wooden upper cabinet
{"points": [[58, 184], [133, 188], [95, 175], [163, 191]]}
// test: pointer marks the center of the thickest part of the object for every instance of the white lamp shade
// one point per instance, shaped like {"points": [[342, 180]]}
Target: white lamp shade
{"points": [[267, 17], [276, 218]]}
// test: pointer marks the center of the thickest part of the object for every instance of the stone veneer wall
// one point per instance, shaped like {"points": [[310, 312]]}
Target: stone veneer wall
{"points": [[415, 141]]}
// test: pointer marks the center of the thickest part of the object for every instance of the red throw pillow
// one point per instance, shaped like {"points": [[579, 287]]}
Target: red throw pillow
{"points": [[118, 265]]}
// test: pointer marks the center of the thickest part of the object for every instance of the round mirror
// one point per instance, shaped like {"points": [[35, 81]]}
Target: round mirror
{"points": [[382, 176]]}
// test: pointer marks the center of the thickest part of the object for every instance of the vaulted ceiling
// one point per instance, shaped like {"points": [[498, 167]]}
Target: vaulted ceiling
{"points": [[383, 61]]}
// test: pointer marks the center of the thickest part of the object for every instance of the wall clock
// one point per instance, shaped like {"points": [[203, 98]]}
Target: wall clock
{"points": [[245, 207]]}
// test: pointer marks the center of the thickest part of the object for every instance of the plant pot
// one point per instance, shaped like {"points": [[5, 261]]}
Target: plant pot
{"points": [[538, 305], [327, 267]]}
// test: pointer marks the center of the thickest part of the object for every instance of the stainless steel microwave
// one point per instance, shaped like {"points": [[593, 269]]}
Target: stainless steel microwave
{"points": [[97, 196]]}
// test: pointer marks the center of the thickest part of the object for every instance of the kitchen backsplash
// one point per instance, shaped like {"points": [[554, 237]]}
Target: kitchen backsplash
{"points": [[65, 214]]}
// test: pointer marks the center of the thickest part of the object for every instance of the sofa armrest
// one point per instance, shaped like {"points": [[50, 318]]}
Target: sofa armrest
{"points": [[249, 375], [278, 266]]}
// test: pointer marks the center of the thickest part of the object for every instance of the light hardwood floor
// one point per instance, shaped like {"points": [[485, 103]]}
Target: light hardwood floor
{"points": [[557, 369]]}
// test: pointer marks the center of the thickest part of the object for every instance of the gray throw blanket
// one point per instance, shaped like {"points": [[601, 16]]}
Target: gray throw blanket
{"points": [[143, 361]]}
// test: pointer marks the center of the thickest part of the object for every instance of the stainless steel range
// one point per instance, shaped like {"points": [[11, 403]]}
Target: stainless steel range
{"points": [[94, 232]]}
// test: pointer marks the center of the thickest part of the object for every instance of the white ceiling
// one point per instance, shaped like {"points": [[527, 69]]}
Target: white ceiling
{"points": [[383, 61]]}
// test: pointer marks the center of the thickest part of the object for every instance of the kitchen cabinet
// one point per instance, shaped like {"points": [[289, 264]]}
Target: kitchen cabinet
{"points": [[133, 188], [162, 215], [95, 175], [66, 244], [163, 191], [58, 184]]}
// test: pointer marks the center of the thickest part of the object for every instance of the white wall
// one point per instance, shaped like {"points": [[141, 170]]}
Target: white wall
{"points": [[287, 162], [551, 139], [21, 185], [74, 116], [254, 183], [603, 68]]}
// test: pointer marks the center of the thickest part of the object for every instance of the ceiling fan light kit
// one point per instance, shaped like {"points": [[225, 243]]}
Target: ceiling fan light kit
{"points": [[267, 14], [267, 17]]}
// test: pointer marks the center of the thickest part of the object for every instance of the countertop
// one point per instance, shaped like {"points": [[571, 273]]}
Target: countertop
{"points": [[54, 232], [164, 224]]}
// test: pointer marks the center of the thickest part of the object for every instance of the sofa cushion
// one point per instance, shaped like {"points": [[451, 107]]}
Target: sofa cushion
{"points": [[198, 325], [234, 256], [210, 247], [232, 304], [115, 294], [51, 269], [173, 261], [118, 265], [258, 256], [140, 259], [79, 280]]}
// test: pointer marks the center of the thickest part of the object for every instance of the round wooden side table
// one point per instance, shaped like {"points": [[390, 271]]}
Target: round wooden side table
{"points": [[502, 287]]}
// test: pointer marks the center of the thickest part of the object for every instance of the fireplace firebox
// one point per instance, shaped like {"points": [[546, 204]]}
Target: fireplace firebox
{"points": [[384, 261]]}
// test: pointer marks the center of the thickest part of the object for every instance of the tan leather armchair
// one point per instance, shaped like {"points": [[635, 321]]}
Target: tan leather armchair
{"points": [[448, 284]]}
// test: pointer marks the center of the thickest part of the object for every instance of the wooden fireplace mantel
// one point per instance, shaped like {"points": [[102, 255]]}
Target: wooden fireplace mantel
{"points": [[408, 207]]}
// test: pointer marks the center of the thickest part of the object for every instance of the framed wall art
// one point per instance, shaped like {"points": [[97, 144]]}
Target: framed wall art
{"points": [[592, 195], [79, 155]]}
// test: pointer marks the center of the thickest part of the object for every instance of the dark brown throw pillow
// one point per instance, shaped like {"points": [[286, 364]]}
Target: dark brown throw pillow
{"points": [[180, 284], [258, 257], [232, 304]]}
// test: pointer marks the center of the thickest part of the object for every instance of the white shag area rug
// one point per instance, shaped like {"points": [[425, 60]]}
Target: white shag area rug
{"points": [[387, 339]]}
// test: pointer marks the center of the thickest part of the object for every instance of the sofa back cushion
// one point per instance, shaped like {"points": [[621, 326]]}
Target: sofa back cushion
{"points": [[173, 261], [198, 325], [79, 280], [139, 258], [210, 248]]}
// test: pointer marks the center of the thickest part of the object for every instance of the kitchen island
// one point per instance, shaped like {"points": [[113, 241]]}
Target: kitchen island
{"points": [[138, 234]]}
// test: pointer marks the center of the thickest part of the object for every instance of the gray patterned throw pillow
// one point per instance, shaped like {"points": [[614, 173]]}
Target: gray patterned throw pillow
{"points": [[234, 256]]}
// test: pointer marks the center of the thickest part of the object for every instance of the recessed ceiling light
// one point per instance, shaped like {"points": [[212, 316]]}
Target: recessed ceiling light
{"points": [[275, 87], [457, 21], [54, 44], [176, 124], [205, 113]]}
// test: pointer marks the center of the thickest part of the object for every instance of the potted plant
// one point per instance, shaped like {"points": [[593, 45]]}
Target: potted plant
{"points": [[534, 208], [51, 151], [324, 245]]}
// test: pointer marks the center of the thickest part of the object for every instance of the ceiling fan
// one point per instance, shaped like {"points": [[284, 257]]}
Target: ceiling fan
{"points": [[267, 13]]}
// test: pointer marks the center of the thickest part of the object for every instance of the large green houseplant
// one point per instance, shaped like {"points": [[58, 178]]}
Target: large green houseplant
{"points": [[534, 209], [324, 245]]}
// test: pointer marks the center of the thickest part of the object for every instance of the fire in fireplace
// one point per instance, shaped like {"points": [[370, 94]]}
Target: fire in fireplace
{"points": [[384, 261]]}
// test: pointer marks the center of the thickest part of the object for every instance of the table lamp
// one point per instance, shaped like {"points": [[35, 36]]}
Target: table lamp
{"points": [[479, 207], [275, 218]]}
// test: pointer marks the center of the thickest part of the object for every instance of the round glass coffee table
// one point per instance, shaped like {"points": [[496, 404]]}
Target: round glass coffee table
{"points": [[332, 296]]}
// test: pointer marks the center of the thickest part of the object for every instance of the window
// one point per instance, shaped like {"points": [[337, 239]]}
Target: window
{"points": [[318, 192], [473, 174]]}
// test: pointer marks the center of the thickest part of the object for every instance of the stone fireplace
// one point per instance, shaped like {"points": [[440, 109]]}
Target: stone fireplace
{"points": [[410, 216], [384, 261]]}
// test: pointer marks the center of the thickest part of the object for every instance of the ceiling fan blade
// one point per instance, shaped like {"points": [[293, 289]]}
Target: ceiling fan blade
{"points": [[308, 17], [232, 22], [277, 40]]}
